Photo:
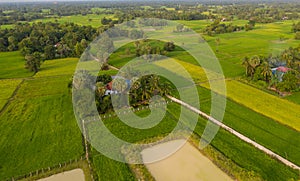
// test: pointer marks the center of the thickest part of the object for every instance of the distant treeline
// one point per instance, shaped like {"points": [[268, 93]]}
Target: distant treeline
{"points": [[11, 13]]}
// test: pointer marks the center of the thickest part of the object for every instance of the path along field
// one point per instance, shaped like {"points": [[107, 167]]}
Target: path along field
{"points": [[281, 110], [185, 164]]}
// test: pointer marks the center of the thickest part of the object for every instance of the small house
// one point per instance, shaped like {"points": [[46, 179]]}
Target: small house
{"points": [[109, 86], [280, 71]]}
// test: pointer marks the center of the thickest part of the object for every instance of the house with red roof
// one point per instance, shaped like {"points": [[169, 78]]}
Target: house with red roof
{"points": [[280, 71]]}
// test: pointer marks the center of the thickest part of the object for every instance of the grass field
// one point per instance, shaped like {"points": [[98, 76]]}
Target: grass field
{"points": [[295, 97], [38, 128], [35, 134], [281, 110], [257, 127], [12, 65], [233, 47], [7, 88], [108, 169], [58, 67]]}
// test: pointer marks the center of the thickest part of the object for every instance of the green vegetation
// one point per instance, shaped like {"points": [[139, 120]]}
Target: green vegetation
{"points": [[38, 137], [7, 88], [285, 77], [242, 153], [12, 66], [295, 97], [57, 67], [36, 133], [108, 169], [38, 128], [274, 107]]}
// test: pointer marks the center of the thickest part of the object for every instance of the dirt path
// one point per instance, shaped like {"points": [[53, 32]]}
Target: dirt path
{"points": [[237, 134]]}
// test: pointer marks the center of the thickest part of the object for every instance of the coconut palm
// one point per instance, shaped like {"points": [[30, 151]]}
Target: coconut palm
{"points": [[153, 82], [249, 68], [288, 58], [266, 71], [145, 92]]}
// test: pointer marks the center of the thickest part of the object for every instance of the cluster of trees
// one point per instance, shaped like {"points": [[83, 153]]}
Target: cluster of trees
{"points": [[46, 41], [140, 91], [108, 21], [218, 28], [151, 50], [181, 28], [296, 29], [259, 69]]}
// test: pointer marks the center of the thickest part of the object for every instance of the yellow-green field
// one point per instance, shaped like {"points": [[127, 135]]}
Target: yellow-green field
{"points": [[7, 88], [281, 110]]}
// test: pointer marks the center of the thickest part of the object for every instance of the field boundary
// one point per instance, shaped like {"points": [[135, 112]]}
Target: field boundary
{"points": [[41, 171], [11, 97], [237, 134]]}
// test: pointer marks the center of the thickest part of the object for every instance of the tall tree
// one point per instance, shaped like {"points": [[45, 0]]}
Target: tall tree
{"points": [[33, 61]]}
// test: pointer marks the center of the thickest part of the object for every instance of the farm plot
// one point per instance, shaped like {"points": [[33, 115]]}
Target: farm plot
{"points": [[38, 128], [37, 133], [7, 88], [260, 128], [57, 67], [104, 165], [12, 65], [278, 109]]}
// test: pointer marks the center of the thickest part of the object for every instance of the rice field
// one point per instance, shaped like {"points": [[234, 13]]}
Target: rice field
{"points": [[7, 88], [13, 65]]}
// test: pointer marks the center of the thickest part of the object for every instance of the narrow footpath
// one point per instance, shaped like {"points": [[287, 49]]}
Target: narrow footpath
{"points": [[237, 134]]}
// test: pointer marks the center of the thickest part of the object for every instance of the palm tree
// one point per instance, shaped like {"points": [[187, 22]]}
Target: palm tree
{"points": [[255, 61], [145, 92], [165, 88], [288, 58], [153, 82], [266, 71], [249, 68]]}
